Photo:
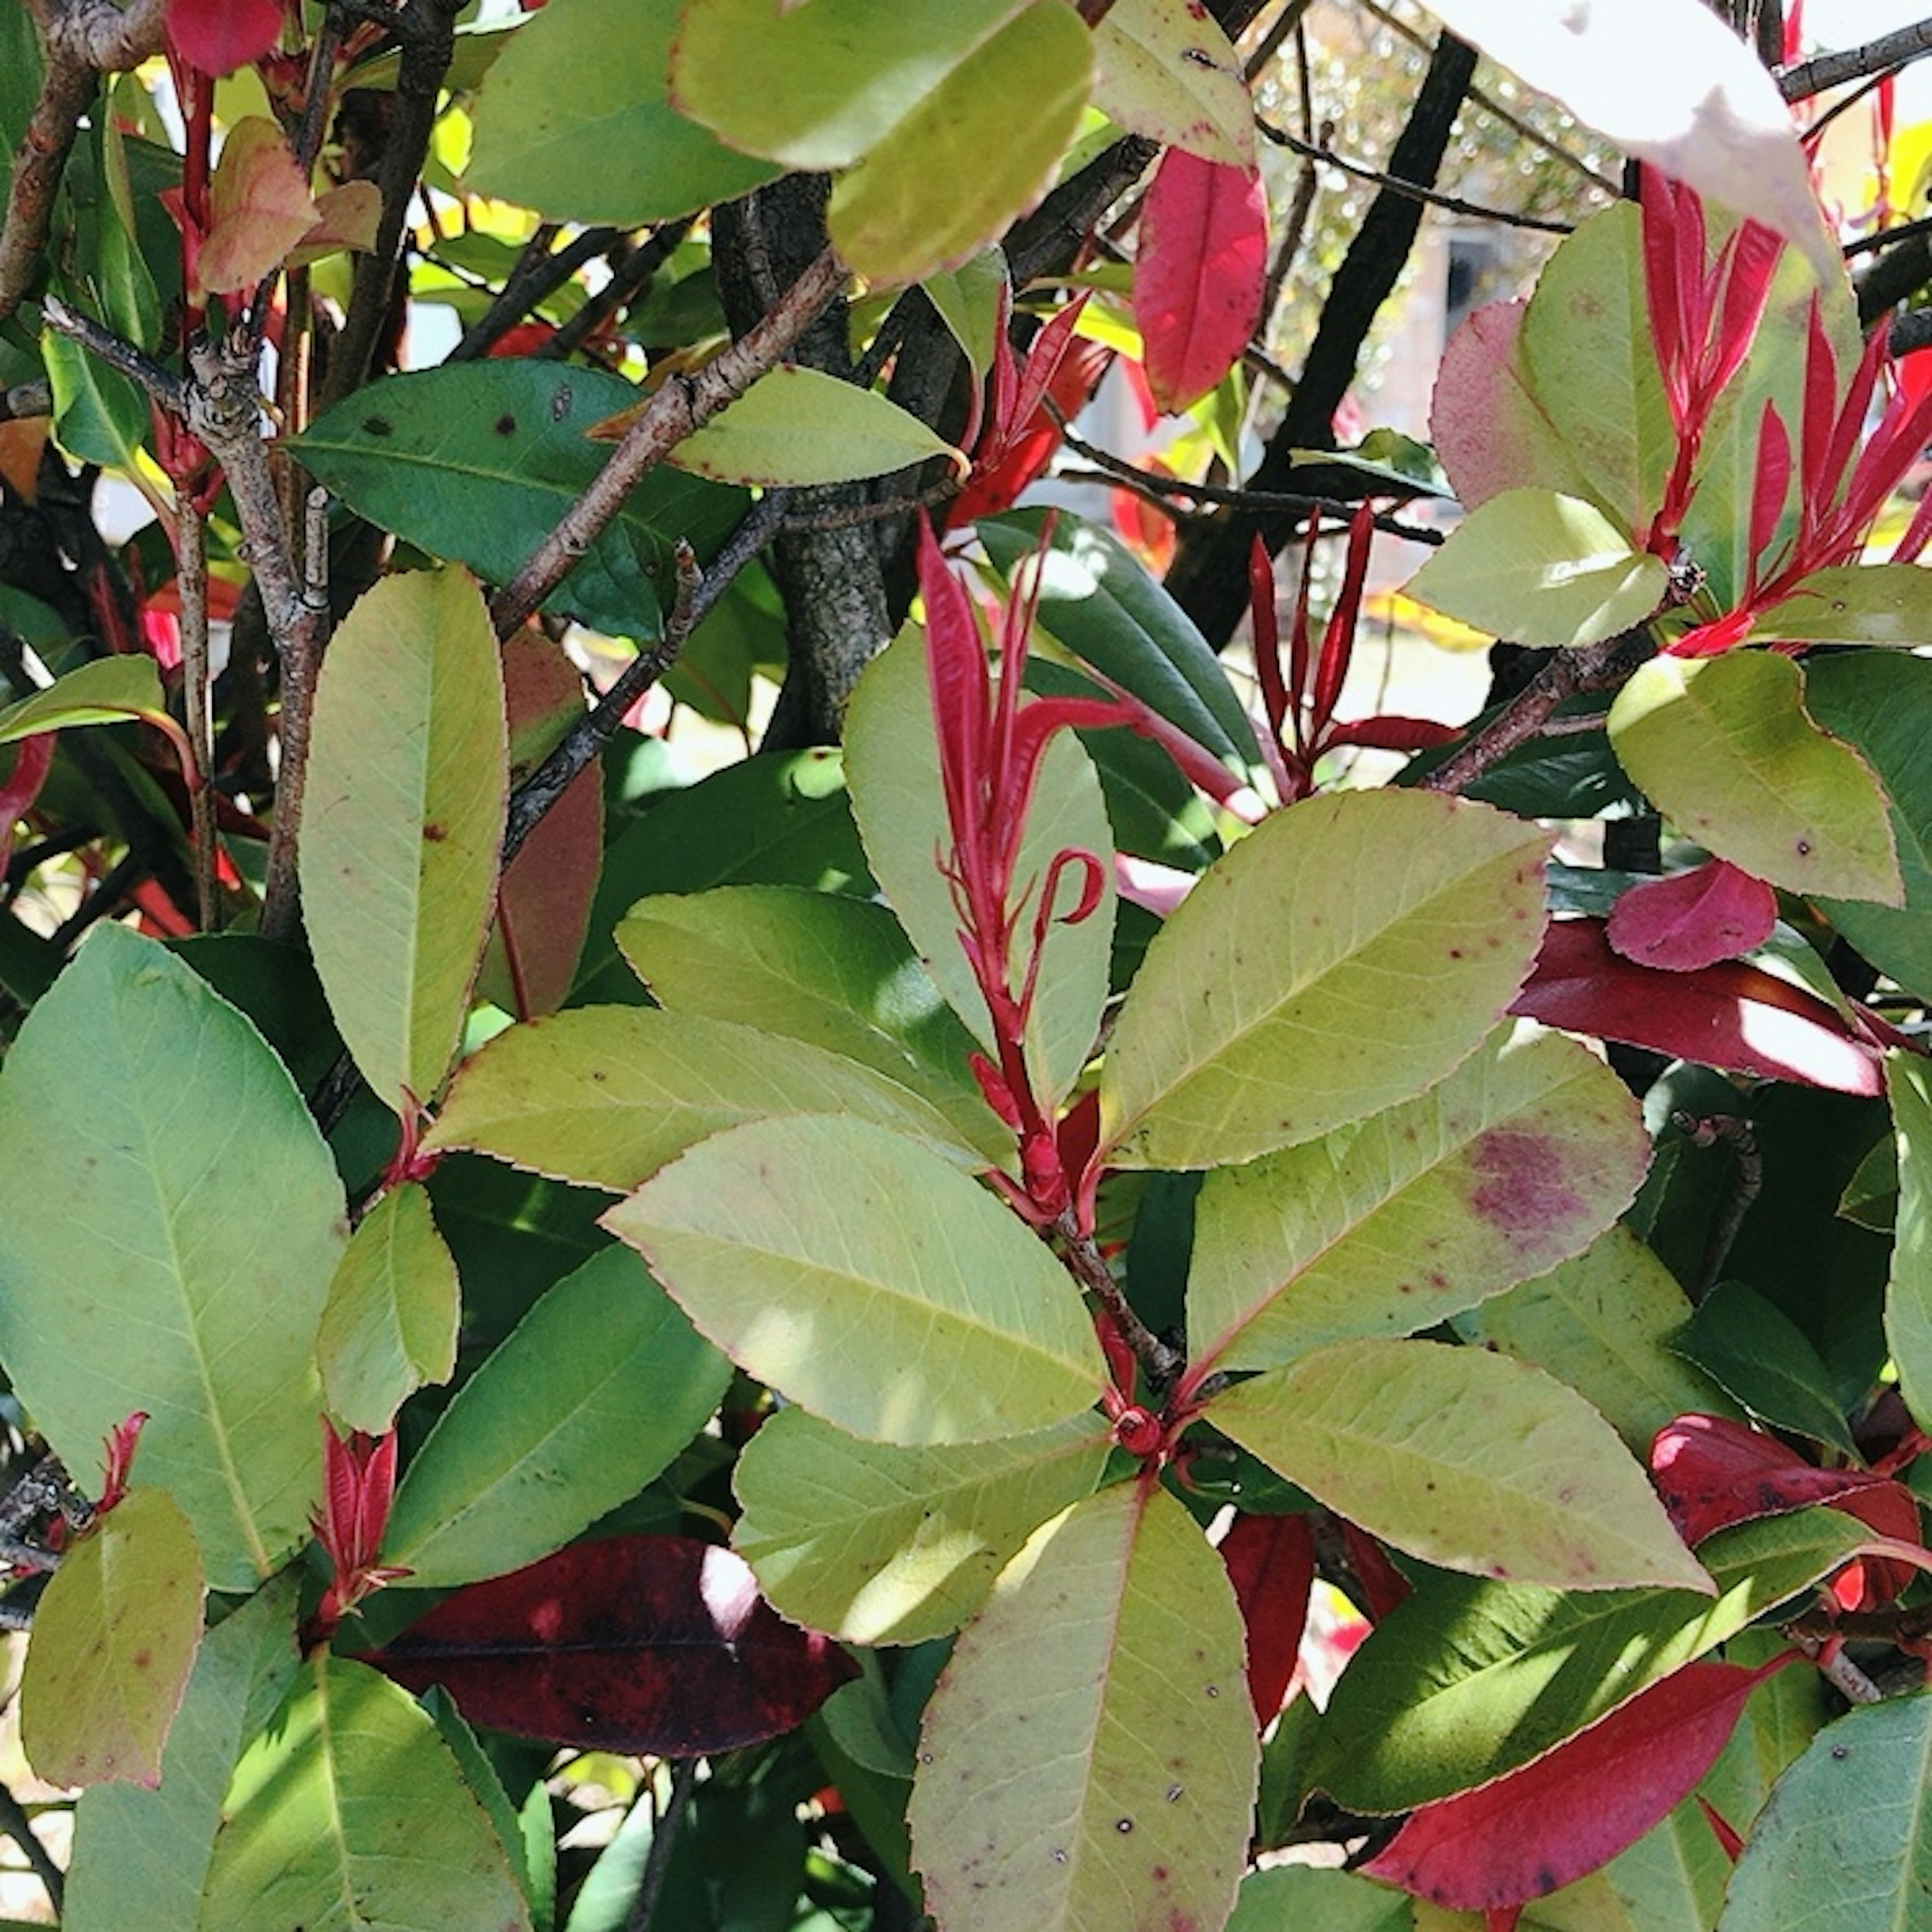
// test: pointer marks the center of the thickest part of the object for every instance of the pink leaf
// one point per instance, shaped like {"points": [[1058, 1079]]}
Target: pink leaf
{"points": [[1198, 281], [261, 206], [1693, 918], [1490, 431], [218, 36], [1574, 1809], [1729, 1015], [638, 1643], [1771, 483], [1270, 1561]]}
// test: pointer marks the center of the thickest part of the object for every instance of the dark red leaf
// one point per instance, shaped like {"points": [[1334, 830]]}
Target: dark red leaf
{"points": [[1383, 1586], [639, 1643], [1729, 1015], [1693, 918], [1572, 1810], [1390, 733], [1771, 483], [218, 36], [1024, 453], [1198, 280], [1270, 1561]]}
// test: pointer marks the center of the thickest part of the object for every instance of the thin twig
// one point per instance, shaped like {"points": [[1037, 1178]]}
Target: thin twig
{"points": [[1084, 1261], [629, 277], [1838, 1670], [1315, 151], [164, 385], [852, 514], [18, 1826], [664, 1837], [537, 276], [191, 583], [1800, 82], [683, 404]]}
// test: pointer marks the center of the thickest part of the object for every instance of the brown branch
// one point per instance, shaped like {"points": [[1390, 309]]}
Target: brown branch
{"points": [[629, 277], [683, 404], [1568, 674], [1161, 1360], [1812, 76]]}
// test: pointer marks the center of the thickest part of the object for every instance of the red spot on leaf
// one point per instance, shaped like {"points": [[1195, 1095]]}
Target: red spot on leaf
{"points": [[1520, 1187]]}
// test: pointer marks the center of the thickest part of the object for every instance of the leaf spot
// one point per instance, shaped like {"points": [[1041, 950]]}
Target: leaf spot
{"points": [[1520, 1187], [378, 426], [505, 425], [1124, 1825]]}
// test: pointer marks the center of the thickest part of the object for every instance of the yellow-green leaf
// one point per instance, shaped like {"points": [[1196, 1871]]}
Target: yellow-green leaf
{"points": [[1725, 748], [110, 690], [856, 1272], [391, 1323], [1168, 71], [1092, 1741], [1340, 959], [1467, 1460], [114, 1641], [1908, 1307], [878, 1544], [403, 824], [1525, 1152]]}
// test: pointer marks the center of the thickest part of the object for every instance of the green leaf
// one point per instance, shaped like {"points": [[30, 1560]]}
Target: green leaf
{"points": [[393, 1311], [114, 1640], [1526, 1152], [605, 1095], [574, 122], [480, 1774], [1092, 1741], [598, 1389], [1168, 72], [1098, 600], [1845, 1844], [903, 1304], [1592, 363], [883, 1545], [99, 415], [1908, 1307], [1725, 748], [1757, 1354], [1539, 568], [1853, 603], [109, 690], [476, 462], [1246, 1030], [130, 1279], [349, 1812], [402, 822], [1304, 1895], [140, 1856], [1466, 1679], [799, 425], [891, 767], [967, 298], [1465, 1459], [1880, 703], [1602, 1324], [837, 973]]}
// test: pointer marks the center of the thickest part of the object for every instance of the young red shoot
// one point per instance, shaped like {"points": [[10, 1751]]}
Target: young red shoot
{"points": [[358, 1486]]}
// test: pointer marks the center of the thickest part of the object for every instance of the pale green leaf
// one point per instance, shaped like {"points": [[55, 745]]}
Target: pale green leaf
{"points": [[591, 1395], [891, 771], [1531, 1148], [573, 122], [1845, 1844], [139, 1856], [1467, 1460], [1091, 1745], [871, 1283], [1853, 604], [980, 149], [1602, 1324], [605, 1095], [393, 1311], [109, 690], [1539, 568], [1343, 957], [349, 1813], [1168, 72], [1908, 1307], [137, 1111], [967, 298], [799, 425], [835, 972], [1310, 1896], [875, 1544], [402, 822], [1466, 1679], [1725, 748], [114, 1640]]}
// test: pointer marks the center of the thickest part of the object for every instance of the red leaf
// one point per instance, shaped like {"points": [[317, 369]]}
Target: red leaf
{"points": [[1730, 1016], [1693, 918], [1383, 1586], [218, 36], [639, 1643], [1027, 451], [1572, 1810], [1390, 733], [1202, 267], [1270, 1561]]}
